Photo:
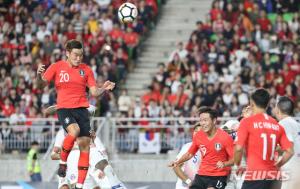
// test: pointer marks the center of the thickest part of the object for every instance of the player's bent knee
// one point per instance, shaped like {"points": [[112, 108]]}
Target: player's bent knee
{"points": [[97, 187], [101, 164]]}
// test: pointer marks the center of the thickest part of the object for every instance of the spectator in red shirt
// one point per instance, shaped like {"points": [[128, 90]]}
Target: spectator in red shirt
{"points": [[178, 99], [116, 32], [7, 108], [131, 38], [287, 74], [150, 95], [294, 64], [264, 22], [230, 15], [215, 11]]}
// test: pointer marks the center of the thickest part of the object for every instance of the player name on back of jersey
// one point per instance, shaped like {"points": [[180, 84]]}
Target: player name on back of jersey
{"points": [[265, 125]]}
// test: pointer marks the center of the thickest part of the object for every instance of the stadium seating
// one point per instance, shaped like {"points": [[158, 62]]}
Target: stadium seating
{"points": [[241, 45]]}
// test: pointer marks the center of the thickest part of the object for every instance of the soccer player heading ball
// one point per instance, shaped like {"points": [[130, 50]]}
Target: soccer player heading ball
{"points": [[71, 77]]}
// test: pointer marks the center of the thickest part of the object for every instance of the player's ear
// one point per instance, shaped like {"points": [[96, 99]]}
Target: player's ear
{"points": [[215, 121], [67, 53]]}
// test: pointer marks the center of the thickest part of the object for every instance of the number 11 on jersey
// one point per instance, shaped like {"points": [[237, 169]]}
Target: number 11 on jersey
{"points": [[264, 136]]}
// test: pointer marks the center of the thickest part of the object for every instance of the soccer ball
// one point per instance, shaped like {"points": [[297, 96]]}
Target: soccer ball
{"points": [[127, 12]]}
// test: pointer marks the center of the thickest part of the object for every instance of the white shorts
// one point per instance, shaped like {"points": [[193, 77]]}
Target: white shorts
{"points": [[181, 185], [89, 182], [292, 168], [103, 182]]}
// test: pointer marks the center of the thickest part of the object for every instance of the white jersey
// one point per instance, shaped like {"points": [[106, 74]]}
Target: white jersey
{"points": [[190, 167], [292, 130], [97, 153]]}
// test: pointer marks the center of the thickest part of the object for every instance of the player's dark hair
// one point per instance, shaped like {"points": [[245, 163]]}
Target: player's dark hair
{"points": [[73, 44], [34, 143], [212, 112], [261, 98], [285, 105]]}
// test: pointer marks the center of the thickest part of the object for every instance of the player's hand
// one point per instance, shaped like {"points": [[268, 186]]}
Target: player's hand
{"points": [[50, 110], [101, 175], [220, 165], [173, 164], [278, 163], [108, 85], [93, 135], [41, 69], [238, 170], [246, 112], [56, 150]]}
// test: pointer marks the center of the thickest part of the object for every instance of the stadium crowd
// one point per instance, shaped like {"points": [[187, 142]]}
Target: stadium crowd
{"points": [[34, 32], [241, 45]]}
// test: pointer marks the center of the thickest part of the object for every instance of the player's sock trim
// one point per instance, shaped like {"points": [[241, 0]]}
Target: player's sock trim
{"points": [[78, 185], [82, 168], [67, 151]]}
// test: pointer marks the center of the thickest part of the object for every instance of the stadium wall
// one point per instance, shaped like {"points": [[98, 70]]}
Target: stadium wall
{"points": [[141, 168]]}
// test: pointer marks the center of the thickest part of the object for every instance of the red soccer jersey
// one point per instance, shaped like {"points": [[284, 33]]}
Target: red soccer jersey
{"points": [[260, 134], [219, 148], [70, 83]]}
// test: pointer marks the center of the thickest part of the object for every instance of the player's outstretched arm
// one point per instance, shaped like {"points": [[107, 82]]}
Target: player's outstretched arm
{"points": [[180, 174], [180, 161], [108, 85], [287, 154], [40, 80], [228, 163], [51, 109], [238, 152]]}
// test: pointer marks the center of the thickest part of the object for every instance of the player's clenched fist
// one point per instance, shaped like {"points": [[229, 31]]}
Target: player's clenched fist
{"points": [[173, 164], [108, 85], [41, 69]]}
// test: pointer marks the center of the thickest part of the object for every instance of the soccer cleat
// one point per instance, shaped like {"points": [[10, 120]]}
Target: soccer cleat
{"points": [[62, 169], [119, 186], [77, 187]]}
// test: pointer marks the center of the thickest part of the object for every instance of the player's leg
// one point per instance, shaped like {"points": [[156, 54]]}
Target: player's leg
{"points": [[70, 125], [82, 117], [231, 184], [275, 184], [83, 163], [63, 183], [90, 183], [216, 182], [253, 184], [199, 182], [108, 171]]}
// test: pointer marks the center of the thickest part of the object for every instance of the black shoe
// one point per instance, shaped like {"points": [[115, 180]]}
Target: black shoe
{"points": [[62, 170], [77, 188]]}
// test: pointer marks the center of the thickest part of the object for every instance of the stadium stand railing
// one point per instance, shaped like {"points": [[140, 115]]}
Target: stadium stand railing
{"points": [[119, 135]]}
